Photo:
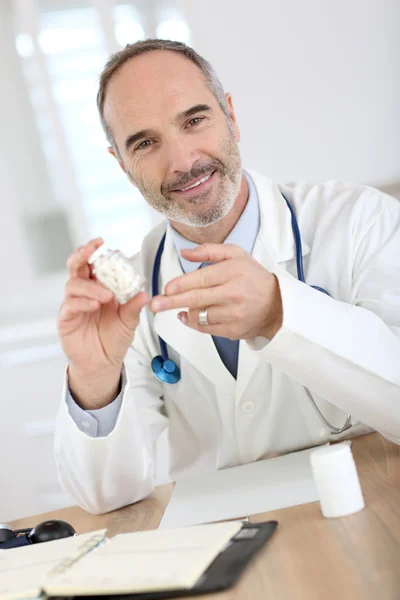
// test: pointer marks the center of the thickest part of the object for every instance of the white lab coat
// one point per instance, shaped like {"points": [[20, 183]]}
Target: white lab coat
{"points": [[344, 348]]}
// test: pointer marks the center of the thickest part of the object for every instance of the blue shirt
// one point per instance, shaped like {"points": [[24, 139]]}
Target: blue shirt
{"points": [[244, 233], [100, 422]]}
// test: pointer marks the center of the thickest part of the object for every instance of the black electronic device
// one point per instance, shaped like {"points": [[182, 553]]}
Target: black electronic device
{"points": [[43, 532]]}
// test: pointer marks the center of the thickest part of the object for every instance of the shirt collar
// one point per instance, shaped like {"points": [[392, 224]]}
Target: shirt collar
{"points": [[244, 233]]}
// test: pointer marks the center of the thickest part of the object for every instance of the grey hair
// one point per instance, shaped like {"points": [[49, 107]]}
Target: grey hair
{"points": [[132, 50]]}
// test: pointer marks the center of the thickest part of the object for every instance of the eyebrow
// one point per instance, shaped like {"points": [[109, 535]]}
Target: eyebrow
{"points": [[192, 111], [134, 137]]}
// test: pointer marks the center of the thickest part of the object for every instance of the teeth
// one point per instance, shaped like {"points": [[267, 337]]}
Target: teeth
{"points": [[197, 183]]}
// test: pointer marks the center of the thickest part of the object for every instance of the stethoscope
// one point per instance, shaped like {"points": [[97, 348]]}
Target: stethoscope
{"points": [[167, 371]]}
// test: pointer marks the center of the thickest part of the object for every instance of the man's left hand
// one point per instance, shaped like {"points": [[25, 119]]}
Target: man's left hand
{"points": [[241, 297]]}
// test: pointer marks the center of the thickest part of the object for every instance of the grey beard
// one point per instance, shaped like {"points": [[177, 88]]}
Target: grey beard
{"points": [[214, 214], [232, 174]]}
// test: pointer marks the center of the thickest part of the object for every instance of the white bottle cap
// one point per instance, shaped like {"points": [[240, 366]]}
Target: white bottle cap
{"points": [[336, 479], [101, 251]]}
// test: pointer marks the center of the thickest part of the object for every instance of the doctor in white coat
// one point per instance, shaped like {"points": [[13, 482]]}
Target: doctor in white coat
{"points": [[268, 364]]}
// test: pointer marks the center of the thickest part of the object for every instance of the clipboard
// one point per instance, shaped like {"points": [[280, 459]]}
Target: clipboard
{"points": [[222, 574]]}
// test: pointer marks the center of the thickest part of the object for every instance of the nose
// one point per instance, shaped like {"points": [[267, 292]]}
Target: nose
{"points": [[181, 156]]}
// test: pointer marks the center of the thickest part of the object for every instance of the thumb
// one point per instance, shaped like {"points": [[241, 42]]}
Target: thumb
{"points": [[129, 312]]}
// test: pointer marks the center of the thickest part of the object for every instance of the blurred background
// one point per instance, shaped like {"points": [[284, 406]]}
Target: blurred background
{"points": [[316, 85]]}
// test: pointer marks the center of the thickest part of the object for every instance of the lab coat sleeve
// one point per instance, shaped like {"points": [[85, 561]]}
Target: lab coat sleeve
{"points": [[349, 352], [105, 473]]}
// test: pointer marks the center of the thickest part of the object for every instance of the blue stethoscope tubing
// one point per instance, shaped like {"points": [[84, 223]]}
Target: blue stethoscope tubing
{"points": [[299, 248], [167, 371]]}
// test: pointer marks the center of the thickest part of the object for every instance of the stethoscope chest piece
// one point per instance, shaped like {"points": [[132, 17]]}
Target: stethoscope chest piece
{"points": [[166, 371]]}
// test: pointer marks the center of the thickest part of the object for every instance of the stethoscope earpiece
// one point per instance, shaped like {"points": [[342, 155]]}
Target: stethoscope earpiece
{"points": [[166, 371]]}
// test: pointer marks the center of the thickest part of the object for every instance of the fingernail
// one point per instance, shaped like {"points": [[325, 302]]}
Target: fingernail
{"points": [[183, 318], [158, 304]]}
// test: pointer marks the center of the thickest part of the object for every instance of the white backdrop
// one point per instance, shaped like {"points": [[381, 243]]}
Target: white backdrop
{"points": [[316, 85]]}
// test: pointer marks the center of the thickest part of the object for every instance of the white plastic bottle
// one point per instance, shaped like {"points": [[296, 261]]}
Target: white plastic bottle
{"points": [[336, 478], [116, 272]]}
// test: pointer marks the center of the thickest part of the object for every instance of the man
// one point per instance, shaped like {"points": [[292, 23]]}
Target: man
{"points": [[268, 364]]}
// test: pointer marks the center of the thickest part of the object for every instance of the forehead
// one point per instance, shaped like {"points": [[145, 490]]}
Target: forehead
{"points": [[153, 86]]}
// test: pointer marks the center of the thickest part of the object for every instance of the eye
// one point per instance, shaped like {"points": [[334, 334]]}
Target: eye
{"points": [[195, 121], [144, 144]]}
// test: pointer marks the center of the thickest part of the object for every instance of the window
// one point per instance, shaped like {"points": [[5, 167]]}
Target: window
{"points": [[63, 56]]}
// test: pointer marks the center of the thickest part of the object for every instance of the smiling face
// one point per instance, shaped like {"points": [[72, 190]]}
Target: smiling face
{"points": [[174, 140]]}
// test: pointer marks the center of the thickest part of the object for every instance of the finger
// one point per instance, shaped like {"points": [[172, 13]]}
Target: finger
{"points": [[216, 315], [219, 330], [129, 312], [212, 252], [206, 277], [77, 287], [75, 306], [77, 263], [193, 299]]}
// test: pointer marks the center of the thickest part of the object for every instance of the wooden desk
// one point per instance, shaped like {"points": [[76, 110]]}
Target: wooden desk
{"points": [[310, 557]]}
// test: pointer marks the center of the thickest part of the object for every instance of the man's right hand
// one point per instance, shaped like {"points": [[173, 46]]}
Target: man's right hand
{"points": [[95, 331]]}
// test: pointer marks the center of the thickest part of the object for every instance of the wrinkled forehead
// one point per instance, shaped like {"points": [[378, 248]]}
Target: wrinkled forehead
{"points": [[151, 89]]}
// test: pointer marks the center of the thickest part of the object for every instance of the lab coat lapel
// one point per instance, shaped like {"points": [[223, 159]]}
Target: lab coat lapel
{"points": [[274, 245], [197, 348], [275, 234]]}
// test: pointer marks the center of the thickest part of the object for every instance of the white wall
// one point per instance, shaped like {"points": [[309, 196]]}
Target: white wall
{"points": [[25, 190], [316, 85], [30, 391]]}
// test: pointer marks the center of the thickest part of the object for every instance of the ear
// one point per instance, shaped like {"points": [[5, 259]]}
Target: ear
{"points": [[231, 111], [115, 155]]}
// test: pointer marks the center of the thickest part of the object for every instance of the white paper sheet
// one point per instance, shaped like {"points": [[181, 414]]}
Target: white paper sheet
{"points": [[23, 570], [241, 491]]}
